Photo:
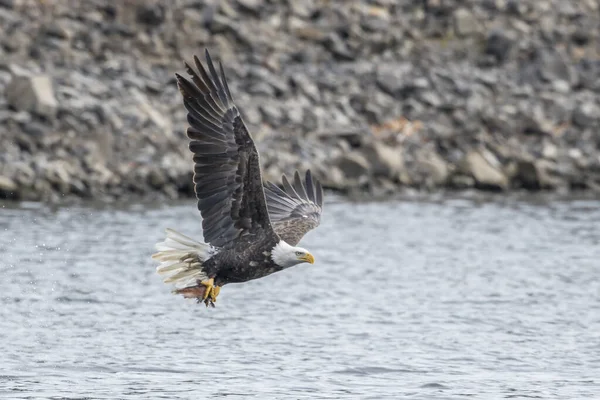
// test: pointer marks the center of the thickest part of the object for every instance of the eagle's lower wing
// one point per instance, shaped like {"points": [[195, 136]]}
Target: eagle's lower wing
{"points": [[227, 177], [295, 209]]}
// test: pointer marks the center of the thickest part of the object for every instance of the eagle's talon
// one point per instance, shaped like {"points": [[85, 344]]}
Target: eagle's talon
{"points": [[214, 293], [209, 302], [209, 288], [211, 292]]}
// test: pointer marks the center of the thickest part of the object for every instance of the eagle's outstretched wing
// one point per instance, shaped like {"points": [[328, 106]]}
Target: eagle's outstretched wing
{"points": [[295, 209], [227, 175]]}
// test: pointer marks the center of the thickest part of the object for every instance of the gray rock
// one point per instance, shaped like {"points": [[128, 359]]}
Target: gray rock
{"points": [[586, 115], [430, 98], [58, 30], [535, 175], [485, 169], [24, 175], [525, 87], [307, 87], [434, 166], [151, 13], [338, 47], [254, 6], [303, 9], [152, 114], [465, 23], [460, 181], [7, 3], [34, 94], [393, 78], [264, 76], [353, 165], [384, 160], [272, 114], [7, 186], [554, 65], [334, 178], [499, 45]]}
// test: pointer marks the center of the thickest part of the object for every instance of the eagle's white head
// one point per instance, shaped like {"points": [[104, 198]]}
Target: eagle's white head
{"points": [[287, 256]]}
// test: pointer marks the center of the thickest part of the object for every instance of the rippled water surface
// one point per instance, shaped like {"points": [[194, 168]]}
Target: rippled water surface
{"points": [[422, 298]]}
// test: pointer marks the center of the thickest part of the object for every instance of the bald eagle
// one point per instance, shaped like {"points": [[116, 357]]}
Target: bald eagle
{"points": [[250, 227]]}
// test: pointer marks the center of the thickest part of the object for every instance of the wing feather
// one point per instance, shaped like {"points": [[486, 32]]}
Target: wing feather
{"points": [[295, 208], [227, 177]]}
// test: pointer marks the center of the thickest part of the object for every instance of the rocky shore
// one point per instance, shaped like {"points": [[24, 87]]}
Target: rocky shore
{"points": [[371, 95]]}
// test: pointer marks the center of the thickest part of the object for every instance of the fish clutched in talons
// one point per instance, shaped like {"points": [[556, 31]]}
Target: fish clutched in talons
{"points": [[204, 291]]}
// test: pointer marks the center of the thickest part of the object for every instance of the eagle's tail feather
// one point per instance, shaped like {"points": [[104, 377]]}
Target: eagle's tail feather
{"points": [[181, 262]]}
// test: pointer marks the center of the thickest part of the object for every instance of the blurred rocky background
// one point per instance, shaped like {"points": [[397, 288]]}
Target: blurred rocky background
{"points": [[374, 96]]}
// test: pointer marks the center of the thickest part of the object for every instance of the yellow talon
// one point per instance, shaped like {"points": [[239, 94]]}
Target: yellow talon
{"points": [[211, 292], [209, 288], [214, 293]]}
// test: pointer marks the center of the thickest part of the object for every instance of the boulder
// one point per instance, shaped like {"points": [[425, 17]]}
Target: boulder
{"points": [[434, 166], [499, 45], [485, 169], [153, 115], [7, 186], [384, 160], [32, 93], [535, 175], [465, 23], [254, 6], [586, 115], [353, 165]]}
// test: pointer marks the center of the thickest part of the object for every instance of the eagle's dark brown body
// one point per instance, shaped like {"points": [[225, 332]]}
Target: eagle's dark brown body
{"points": [[250, 258]]}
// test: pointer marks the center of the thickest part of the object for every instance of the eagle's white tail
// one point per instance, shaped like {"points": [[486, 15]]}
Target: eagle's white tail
{"points": [[181, 262]]}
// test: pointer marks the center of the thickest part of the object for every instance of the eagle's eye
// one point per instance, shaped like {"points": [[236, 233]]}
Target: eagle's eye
{"points": [[298, 253]]}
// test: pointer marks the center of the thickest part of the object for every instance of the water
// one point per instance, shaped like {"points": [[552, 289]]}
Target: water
{"points": [[415, 298]]}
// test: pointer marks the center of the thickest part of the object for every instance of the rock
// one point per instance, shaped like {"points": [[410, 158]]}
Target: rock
{"points": [[462, 181], [586, 115], [353, 165], [254, 6], [465, 23], [151, 14], [264, 76], [24, 175], [307, 87], [334, 178], [499, 45], [58, 30], [393, 79], [338, 47], [303, 9], [157, 178], [534, 175], [7, 186], [155, 116], [519, 78], [554, 65], [485, 169], [384, 160], [430, 98], [59, 174], [549, 150], [271, 114], [434, 166], [34, 94]]}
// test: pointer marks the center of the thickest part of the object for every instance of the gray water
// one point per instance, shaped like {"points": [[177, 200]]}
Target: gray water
{"points": [[415, 298]]}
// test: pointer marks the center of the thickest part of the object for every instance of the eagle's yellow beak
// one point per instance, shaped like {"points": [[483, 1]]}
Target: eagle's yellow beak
{"points": [[307, 258]]}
